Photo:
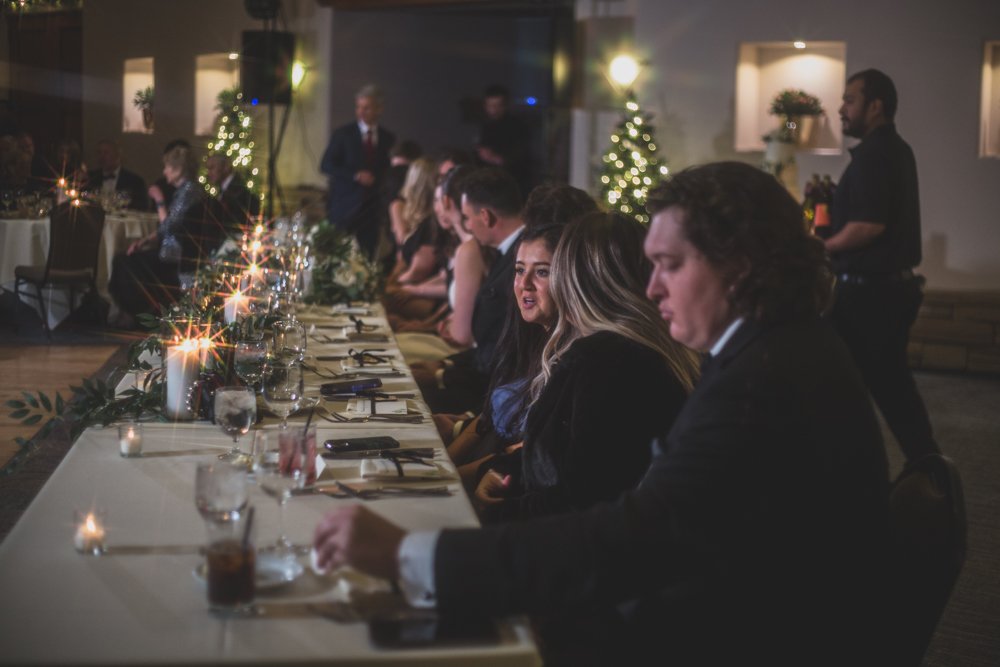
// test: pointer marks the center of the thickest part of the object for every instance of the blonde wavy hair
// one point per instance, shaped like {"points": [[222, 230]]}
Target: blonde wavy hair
{"points": [[418, 193], [598, 281]]}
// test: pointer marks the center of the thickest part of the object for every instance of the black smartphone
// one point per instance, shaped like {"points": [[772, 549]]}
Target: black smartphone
{"points": [[349, 386], [413, 629], [352, 446]]}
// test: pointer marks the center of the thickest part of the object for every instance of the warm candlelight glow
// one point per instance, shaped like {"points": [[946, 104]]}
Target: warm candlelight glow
{"points": [[61, 182], [89, 536], [258, 230]]}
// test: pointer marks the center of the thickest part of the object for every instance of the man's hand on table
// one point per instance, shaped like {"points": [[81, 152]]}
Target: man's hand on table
{"points": [[360, 538]]}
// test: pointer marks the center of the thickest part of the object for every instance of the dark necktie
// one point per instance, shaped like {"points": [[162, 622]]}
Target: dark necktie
{"points": [[369, 148]]}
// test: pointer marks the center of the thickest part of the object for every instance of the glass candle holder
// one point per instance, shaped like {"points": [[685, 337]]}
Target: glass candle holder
{"points": [[89, 536], [130, 439]]}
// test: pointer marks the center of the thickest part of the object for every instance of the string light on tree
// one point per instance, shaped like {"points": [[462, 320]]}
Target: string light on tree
{"points": [[630, 166], [233, 138]]}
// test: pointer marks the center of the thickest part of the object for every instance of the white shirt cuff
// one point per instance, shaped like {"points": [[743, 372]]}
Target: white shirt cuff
{"points": [[416, 567]]}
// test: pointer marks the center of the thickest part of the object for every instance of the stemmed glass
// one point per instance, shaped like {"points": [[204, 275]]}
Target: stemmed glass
{"points": [[283, 387], [249, 357], [280, 468], [235, 413], [220, 491], [282, 303], [289, 341]]}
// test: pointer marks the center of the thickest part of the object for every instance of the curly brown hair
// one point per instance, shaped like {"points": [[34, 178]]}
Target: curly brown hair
{"points": [[747, 225]]}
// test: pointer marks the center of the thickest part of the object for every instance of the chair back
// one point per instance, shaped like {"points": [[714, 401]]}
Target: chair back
{"points": [[74, 238], [928, 533]]}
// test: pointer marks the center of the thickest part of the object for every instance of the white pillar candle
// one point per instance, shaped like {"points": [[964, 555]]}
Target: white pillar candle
{"points": [[89, 536], [182, 362], [237, 306]]}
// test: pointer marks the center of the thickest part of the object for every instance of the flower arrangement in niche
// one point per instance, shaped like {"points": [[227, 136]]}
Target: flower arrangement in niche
{"points": [[791, 102], [143, 101]]}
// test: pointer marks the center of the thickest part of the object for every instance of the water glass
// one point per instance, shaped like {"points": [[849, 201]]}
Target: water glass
{"points": [[289, 341], [235, 413], [249, 357], [220, 491], [283, 388]]}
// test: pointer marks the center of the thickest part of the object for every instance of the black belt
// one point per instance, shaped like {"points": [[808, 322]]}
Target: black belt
{"points": [[875, 278]]}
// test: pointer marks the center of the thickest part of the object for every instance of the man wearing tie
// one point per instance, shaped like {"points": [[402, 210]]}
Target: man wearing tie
{"points": [[356, 160], [111, 177]]}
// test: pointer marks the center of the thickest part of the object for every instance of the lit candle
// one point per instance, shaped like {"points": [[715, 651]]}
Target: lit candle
{"points": [[89, 536], [237, 306], [206, 357], [182, 362], [130, 439]]}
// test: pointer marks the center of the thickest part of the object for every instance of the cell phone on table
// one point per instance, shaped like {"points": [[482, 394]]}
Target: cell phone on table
{"points": [[354, 446], [414, 629], [349, 386]]}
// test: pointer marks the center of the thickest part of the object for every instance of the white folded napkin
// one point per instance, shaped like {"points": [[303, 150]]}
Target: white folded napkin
{"points": [[341, 309], [363, 406], [352, 365], [385, 470]]}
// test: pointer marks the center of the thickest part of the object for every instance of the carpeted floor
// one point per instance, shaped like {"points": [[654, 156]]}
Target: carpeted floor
{"points": [[965, 412]]}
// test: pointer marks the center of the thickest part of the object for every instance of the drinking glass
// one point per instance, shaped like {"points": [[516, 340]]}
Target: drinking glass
{"points": [[249, 357], [283, 388], [281, 468], [289, 341], [220, 491], [282, 303], [235, 413]]}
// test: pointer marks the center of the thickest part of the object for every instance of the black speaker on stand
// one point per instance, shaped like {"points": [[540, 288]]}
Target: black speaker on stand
{"points": [[266, 76]]}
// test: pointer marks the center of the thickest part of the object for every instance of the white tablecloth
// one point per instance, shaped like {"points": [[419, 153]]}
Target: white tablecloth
{"points": [[60, 607], [25, 242]]}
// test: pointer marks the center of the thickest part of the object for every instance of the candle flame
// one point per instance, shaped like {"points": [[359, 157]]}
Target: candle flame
{"points": [[188, 345], [131, 433], [91, 524]]}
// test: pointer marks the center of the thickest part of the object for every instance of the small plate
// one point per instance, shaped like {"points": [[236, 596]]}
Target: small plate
{"points": [[271, 572]]}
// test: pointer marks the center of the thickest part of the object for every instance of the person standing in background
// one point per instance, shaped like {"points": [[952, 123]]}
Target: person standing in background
{"points": [[874, 244], [356, 160], [504, 139]]}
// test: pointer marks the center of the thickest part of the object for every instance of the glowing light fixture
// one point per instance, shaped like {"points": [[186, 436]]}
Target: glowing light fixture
{"points": [[234, 56], [624, 69], [799, 44], [298, 73]]}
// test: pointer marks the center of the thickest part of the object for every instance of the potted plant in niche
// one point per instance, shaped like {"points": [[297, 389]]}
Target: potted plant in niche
{"points": [[143, 101], [796, 108]]}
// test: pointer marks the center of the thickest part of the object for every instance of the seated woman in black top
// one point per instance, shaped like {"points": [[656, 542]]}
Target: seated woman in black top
{"points": [[612, 379], [147, 275]]}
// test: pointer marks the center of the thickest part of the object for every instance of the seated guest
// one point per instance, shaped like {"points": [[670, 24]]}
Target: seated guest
{"points": [[111, 178], [146, 277], [416, 234], [161, 190], [758, 532], [238, 203], [401, 156], [491, 205], [548, 208], [608, 354]]}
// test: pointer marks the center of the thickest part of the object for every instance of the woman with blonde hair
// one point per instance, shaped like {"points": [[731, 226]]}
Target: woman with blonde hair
{"points": [[420, 256], [611, 380]]}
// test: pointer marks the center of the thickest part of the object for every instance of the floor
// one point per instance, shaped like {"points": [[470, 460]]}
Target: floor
{"points": [[44, 368]]}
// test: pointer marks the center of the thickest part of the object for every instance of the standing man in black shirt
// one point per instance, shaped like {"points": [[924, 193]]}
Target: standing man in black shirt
{"points": [[874, 245], [504, 139]]}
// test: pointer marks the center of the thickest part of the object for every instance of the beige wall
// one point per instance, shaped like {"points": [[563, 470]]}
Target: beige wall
{"points": [[933, 51]]}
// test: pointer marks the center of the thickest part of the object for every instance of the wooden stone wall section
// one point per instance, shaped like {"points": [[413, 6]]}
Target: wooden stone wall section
{"points": [[957, 331]]}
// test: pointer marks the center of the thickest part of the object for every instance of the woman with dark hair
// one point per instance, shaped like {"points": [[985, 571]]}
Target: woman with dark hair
{"points": [[146, 277], [758, 532], [608, 354]]}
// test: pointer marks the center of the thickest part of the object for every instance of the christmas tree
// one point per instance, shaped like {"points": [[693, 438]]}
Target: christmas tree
{"points": [[630, 165], [233, 138]]}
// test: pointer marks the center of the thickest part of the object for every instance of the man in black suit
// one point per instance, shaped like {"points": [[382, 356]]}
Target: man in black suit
{"points": [[110, 177], [757, 534], [238, 203], [491, 205], [356, 160]]}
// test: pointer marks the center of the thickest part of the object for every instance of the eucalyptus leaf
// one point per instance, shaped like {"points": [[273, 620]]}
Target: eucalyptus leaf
{"points": [[17, 414], [14, 403], [32, 401], [46, 403], [31, 421]]}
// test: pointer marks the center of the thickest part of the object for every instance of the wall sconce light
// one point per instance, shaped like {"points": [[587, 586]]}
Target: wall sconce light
{"points": [[623, 69]]}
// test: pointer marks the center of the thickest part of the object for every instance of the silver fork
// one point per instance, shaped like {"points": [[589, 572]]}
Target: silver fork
{"points": [[403, 419]]}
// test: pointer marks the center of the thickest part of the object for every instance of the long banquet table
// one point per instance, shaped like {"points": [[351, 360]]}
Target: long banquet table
{"points": [[141, 603], [25, 241]]}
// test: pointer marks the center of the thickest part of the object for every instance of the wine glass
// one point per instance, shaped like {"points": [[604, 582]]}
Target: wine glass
{"points": [[282, 303], [249, 357], [220, 491], [280, 468], [283, 387], [289, 341], [235, 413]]}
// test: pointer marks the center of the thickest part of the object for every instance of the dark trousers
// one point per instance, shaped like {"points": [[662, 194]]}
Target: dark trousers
{"points": [[141, 283], [874, 319]]}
